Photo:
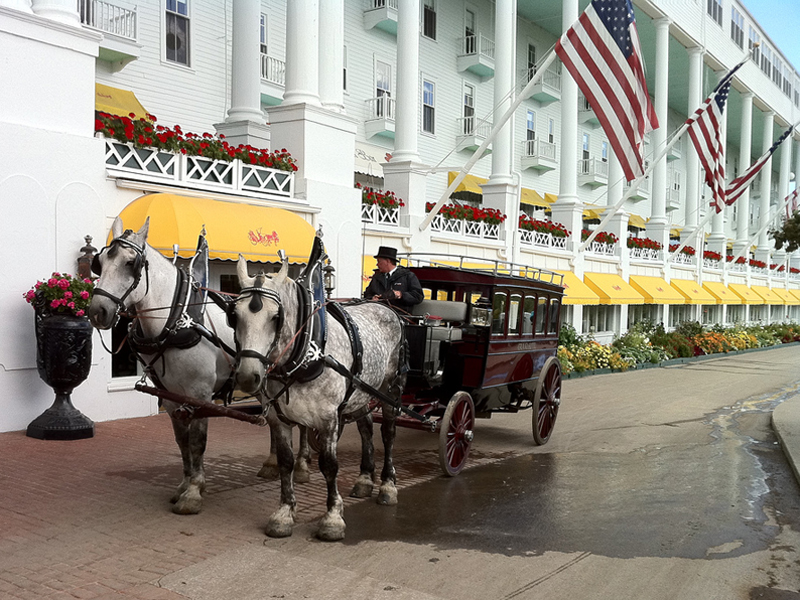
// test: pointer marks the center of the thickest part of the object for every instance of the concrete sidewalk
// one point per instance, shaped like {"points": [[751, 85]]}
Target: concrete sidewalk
{"points": [[786, 423]]}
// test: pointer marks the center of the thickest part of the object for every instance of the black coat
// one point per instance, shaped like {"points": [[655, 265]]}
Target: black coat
{"points": [[402, 280]]}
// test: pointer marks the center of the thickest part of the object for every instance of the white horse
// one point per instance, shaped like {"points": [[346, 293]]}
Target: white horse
{"points": [[267, 315], [137, 279]]}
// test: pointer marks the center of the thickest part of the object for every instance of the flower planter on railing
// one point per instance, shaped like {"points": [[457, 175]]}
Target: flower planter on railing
{"points": [[377, 215], [601, 248], [197, 172], [542, 240], [461, 227], [645, 254]]}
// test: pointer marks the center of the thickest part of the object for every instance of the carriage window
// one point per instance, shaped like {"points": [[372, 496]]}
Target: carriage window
{"points": [[513, 314], [541, 315], [552, 328], [442, 295], [528, 314], [427, 293], [499, 313]]}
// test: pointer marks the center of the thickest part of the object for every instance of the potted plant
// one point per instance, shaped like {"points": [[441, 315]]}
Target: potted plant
{"points": [[63, 352]]}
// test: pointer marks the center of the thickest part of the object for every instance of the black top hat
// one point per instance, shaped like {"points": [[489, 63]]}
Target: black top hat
{"points": [[387, 252]]}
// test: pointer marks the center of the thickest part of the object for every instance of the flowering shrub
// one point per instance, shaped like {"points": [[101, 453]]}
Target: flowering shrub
{"points": [[758, 264], [687, 250], [739, 261], [775, 267], [636, 242], [604, 237], [383, 199], [144, 133], [61, 293], [711, 255], [490, 216], [555, 229]]}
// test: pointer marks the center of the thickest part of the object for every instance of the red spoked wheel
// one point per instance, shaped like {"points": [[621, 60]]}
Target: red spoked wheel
{"points": [[546, 401], [455, 433]]}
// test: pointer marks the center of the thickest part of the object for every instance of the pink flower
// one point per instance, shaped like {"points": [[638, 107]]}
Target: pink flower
{"points": [[84, 295], [63, 284], [87, 280], [80, 313], [67, 294], [52, 282], [55, 303], [71, 305], [30, 295]]}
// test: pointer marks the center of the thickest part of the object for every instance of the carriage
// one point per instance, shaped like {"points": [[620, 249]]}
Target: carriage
{"points": [[483, 341]]}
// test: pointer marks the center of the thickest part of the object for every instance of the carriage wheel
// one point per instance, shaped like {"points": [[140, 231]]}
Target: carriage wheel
{"points": [[455, 433], [546, 401]]}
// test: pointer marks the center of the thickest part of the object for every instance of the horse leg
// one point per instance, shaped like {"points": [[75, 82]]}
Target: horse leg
{"points": [[191, 437], [301, 472], [387, 493], [331, 526], [364, 483], [269, 470], [282, 520]]}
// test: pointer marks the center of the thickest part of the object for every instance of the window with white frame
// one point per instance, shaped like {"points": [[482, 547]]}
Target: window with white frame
{"points": [[766, 60], [777, 70], [715, 10], [531, 61], [604, 151], [383, 87], [469, 109], [530, 126], [428, 110], [737, 27], [680, 313], [551, 131], [787, 81], [344, 68], [752, 39], [263, 35], [585, 146], [429, 19], [597, 319], [177, 31]]}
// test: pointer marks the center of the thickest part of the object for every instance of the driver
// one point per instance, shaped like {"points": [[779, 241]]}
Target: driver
{"points": [[396, 284]]}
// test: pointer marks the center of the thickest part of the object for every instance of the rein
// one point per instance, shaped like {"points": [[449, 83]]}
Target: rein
{"points": [[140, 265]]}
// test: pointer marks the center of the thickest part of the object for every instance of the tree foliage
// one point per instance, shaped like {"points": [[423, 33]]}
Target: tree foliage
{"points": [[788, 233]]}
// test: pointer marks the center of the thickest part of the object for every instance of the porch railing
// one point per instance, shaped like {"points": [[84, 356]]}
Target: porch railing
{"points": [[108, 18], [477, 44], [381, 107], [273, 70], [539, 148], [471, 229], [645, 254], [378, 215], [542, 240]]}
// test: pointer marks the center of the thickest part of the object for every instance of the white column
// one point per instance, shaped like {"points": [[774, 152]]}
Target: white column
{"points": [[762, 252], [794, 259], [505, 23], [743, 203], [693, 181], [302, 52], [331, 54], [408, 100], [64, 11], [658, 228], [246, 67]]}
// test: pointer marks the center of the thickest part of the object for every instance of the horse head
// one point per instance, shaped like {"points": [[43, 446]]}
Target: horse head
{"points": [[257, 317], [120, 265]]}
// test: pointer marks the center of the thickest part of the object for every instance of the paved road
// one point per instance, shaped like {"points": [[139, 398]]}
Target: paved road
{"points": [[663, 483]]}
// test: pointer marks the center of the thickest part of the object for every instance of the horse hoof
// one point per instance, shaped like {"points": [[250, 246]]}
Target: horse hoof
{"points": [[277, 529], [187, 506], [301, 476], [269, 472], [362, 489], [331, 530], [387, 495]]}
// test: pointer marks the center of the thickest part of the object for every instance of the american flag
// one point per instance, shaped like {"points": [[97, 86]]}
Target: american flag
{"points": [[741, 183], [791, 203], [602, 53], [704, 130]]}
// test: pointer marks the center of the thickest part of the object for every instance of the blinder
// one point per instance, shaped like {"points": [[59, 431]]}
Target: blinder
{"points": [[139, 264], [255, 305]]}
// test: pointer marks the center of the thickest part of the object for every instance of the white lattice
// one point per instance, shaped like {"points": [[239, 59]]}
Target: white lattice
{"points": [[377, 215], [645, 254], [711, 264], [599, 248], [271, 181], [214, 172], [147, 161], [468, 228], [473, 229], [682, 259]]}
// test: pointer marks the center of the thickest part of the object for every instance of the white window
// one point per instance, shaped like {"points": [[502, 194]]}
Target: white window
{"points": [[752, 39], [471, 44], [469, 109], [428, 108], [715, 10], [344, 68], [177, 27], [383, 87], [263, 34], [531, 61], [585, 146], [551, 131], [737, 27], [531, 126], [429, 19], [766, 60]]}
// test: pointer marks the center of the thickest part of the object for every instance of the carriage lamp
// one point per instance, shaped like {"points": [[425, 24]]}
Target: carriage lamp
{"points": [[329, 279]]}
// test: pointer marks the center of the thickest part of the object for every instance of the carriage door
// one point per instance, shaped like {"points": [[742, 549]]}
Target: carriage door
{"points": [[383, 91]]}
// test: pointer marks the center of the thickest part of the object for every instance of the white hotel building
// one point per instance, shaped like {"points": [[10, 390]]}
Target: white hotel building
{"points": [[397, 95]]}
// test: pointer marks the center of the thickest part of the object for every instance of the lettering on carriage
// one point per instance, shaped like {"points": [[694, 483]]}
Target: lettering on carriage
{"points": [[525, 346], [256, 238]]}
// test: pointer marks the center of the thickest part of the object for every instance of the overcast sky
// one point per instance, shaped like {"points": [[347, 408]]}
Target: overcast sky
{"points": [[781, 20]]}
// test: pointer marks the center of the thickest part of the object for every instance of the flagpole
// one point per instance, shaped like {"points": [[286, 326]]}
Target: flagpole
{"points": [[479, 152], [760, 231]]}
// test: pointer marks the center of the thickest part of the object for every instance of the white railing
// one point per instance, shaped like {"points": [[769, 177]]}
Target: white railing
{"points": [[592, 166], [711, 264], [471, 126], [378, 215], [737, 268], [149, 164], [550, 78], [645, 254], [273, 70], [674, 193], [644, 186], [374, 4], [600, 248], [460, 227], [381, 107], [541, 239], [759, 271], [683, 259], [539, 148], [108, 18], [477, 45]]}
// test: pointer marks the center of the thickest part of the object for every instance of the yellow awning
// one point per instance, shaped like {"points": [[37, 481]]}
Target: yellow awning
{"points": [[656, 291], [117, 102], [693, 291], [532, 198], [257, 232], [795, 293], [577, 292], [786, 296], [767, 294], [612, 289], [636, 221], [471, 183], [721, 292], [747, 295], [550, 197], [591, 213], [675, 231]]}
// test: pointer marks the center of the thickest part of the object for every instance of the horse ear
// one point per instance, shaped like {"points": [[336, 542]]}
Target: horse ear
{"points": [[142, 233], [241, 269], [116, 228], [280, 277]]}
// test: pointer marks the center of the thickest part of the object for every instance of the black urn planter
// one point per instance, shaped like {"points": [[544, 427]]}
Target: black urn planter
{"points": [[63, 359]]}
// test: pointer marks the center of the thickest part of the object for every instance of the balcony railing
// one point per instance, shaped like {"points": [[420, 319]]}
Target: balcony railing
{"points": [[375, 4], [594, 167], [649, 254], [377, 215], [601, 249], [108, 18], [159, 166], [542, 240], [682, 259], [471, 126], [477, 45], [711, 264], [540, 148], [273, 70], [470, 229], [381, 107]]}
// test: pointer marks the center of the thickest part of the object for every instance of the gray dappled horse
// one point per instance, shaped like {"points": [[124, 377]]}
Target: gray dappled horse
{"points": [[138, 279], [267, 316]]}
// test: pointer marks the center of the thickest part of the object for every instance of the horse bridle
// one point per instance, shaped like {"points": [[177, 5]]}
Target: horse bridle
{"points": [[256, 304], [139, 265]]}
